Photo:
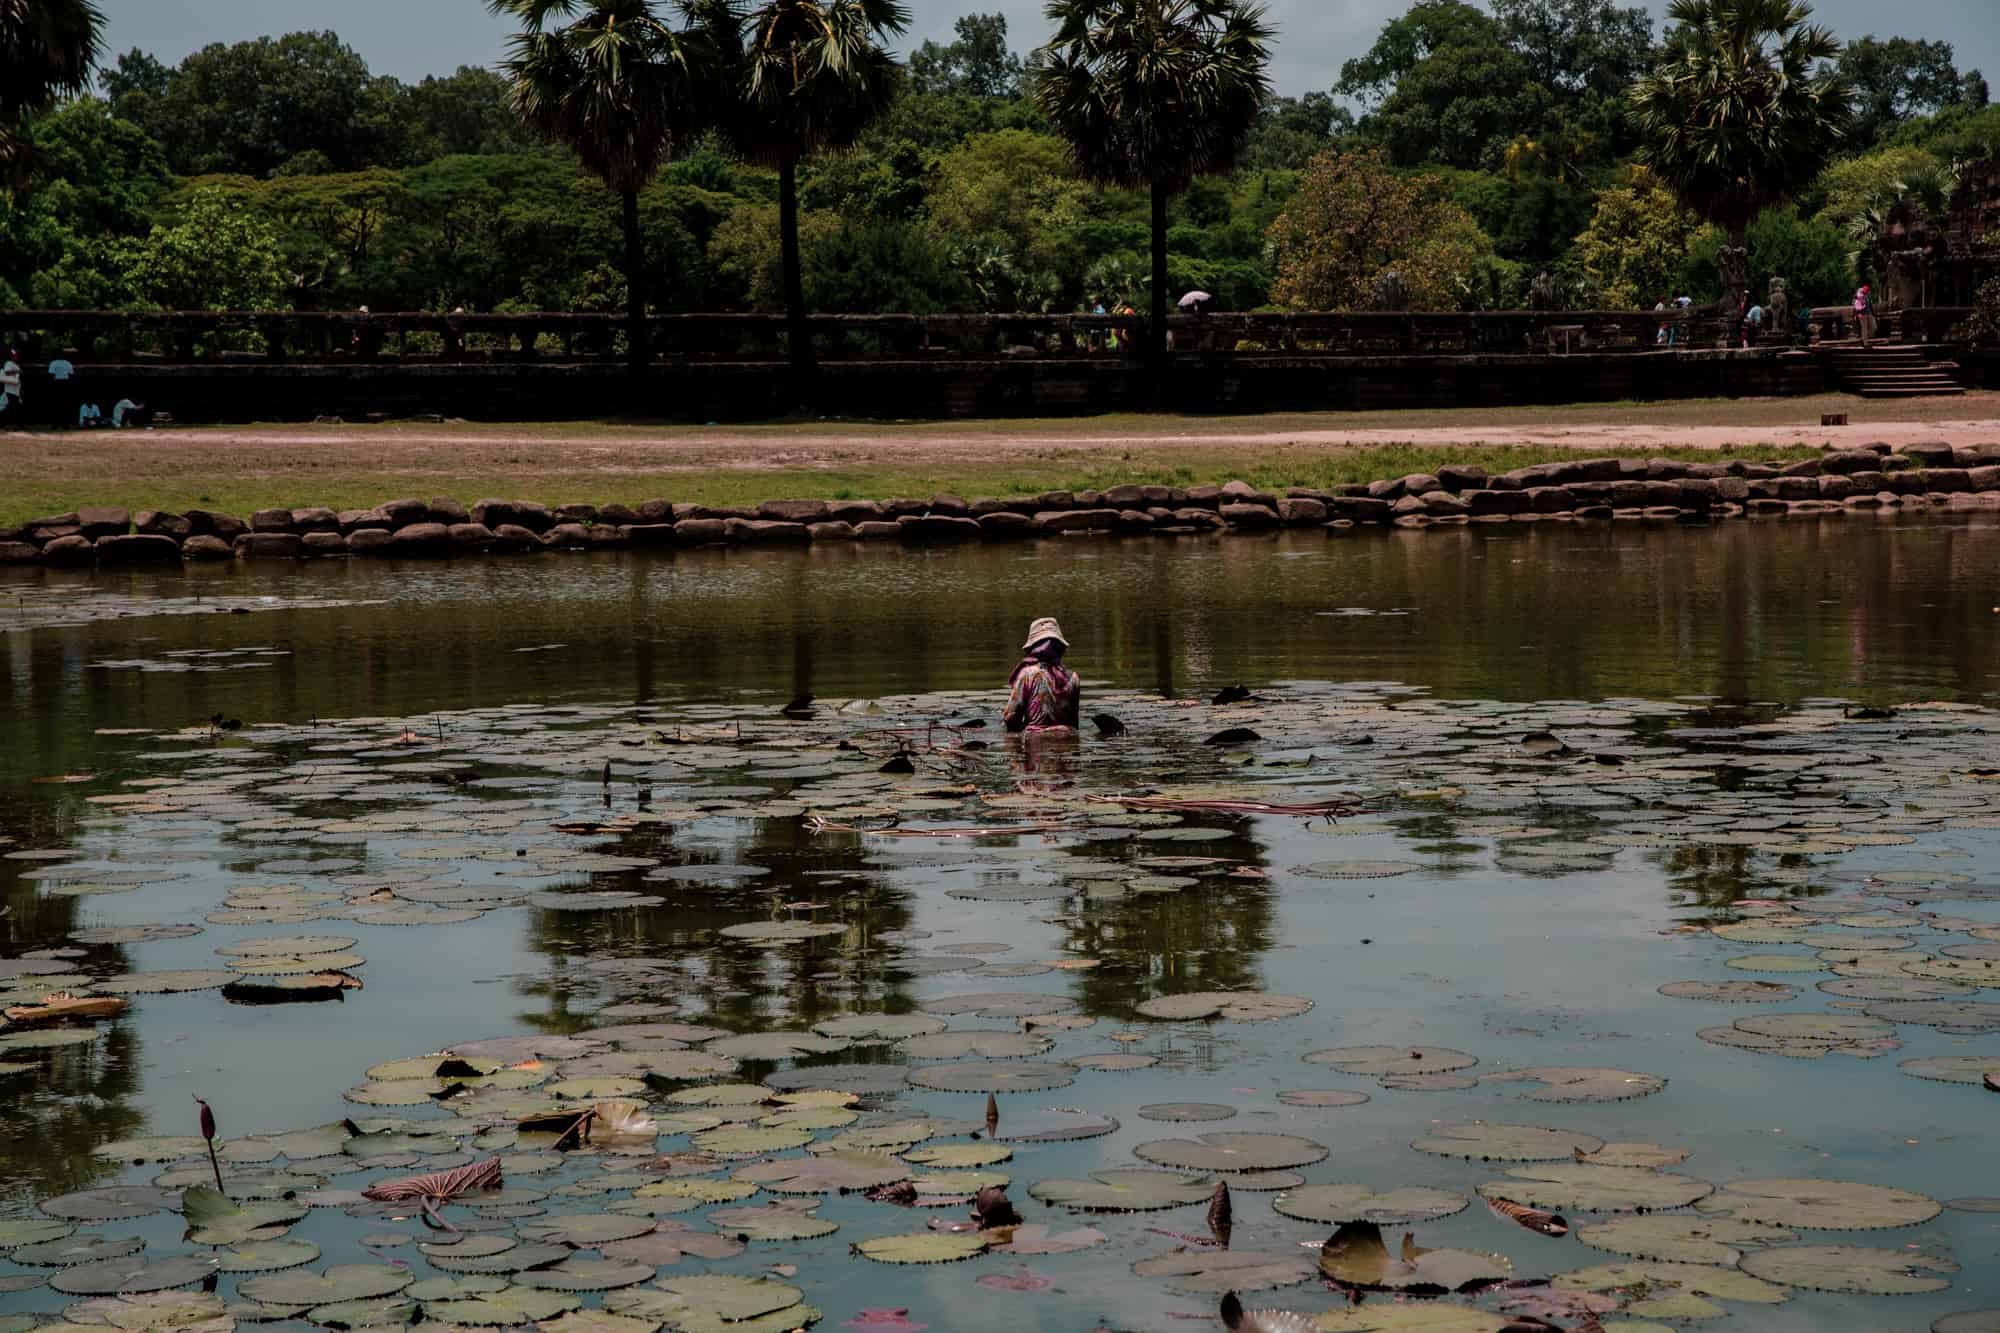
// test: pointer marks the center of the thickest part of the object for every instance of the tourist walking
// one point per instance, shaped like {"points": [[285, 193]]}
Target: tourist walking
{"points": [[63, 396], [11, 417], [1045, 696], [1864, 314]]}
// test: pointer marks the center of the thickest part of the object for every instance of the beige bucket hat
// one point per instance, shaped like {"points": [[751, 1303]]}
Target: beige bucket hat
{"points": [[1045, 628]]}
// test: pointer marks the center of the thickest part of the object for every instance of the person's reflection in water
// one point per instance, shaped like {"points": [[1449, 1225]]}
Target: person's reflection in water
{"points": [[1045, 702]]}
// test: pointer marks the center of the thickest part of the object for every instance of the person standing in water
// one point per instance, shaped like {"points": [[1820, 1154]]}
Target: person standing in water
{"points": [[1046, 696]]}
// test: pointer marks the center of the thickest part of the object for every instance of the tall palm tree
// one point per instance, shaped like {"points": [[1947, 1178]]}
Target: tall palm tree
{"points": [[1153, 93], [48, 49], [623, 89], [1744, 110], [814, 76]]}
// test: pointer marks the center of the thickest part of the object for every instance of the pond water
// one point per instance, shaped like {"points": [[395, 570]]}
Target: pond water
{"points": [[557, 802]]}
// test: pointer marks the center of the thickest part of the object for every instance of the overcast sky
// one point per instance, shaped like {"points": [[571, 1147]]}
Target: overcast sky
{"points": [[412, 38]]}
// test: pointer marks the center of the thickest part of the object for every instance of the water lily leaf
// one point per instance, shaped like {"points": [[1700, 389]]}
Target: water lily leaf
{"points": [[1377, 1061], [999, 1004], [832, 1173], [265, 1256], [377, 1312], [183, 1311], [722, 1094], [342, 1282], [1357, 869], [778, 1223], [1725, 1284], [1334, 1204], [1483, 1142], [1775, 962], [1572, 1083], [700, 1191], [1682, 1238], [163, 983], [1970, 1069], [924, 1247], [585, 1231], [1375, 1317], [1056, 1125], [503, 1309], [782, 932], [1181, 1112], [1596, 1189], [596, 1321], [1232, 1152], [669, 1243], [453, 1288], [1037, 1239], [1730, 992], [750, 1140], [985, 1043], [583, 1274], [775, 1046], [133, 1274], [1215, 1271], [1355, 1256], [153, 1148], [1823, 1205], [993, 1076], [68, 1251], [1125, 1191], [110, 1203], [18, 1231], [959, 1156], [1949, 1015], [1232, 1006], [857, 1080], [879, 1027], [1968, 1321], [1851, 1268], [289, 946], [514, 1258], [704, 1302]]}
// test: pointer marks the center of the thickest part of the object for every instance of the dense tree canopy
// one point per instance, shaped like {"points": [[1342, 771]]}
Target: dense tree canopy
{"points": [[1507, 124]]}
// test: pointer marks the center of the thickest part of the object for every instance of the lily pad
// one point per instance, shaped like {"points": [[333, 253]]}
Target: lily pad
{"points": [[782, 1222], [830, 1173], [1682, 1238], [1125, 1191], [1822, 1205], [1232, 1006], [1182, 1112], [879, 1027], [775, 1046], [133, 1274], [1730, 992], [579, 1273], [1215, 1271], [1851, 1268], [1483, 1142], [1596, 1189], [1356, 1256], [504, 1309], [1232, 1152], [267, 1256], [342, 1282], [924, 1247], [993, 1076], [1969, 1069], [163, 983], [1577, 1083], [1035, 1238], [1335, 1204], [1377, 1061], [986, 1043], [1702, 1280]]}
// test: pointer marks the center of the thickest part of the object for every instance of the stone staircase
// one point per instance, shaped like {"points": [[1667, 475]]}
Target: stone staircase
{"points": [[1889, 370]]}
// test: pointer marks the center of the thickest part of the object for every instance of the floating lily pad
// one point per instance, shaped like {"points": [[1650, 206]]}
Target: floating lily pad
{"points": [[1035, 1238], [1180, 1112], [1317, 1098], [1729, 992], [1232, 1152], [215, 1219], [504, 1309], [110, 1203], [1125, 1191], [578, 1273], [266, 1256], [1482, 1142], [1057, 1125], [1702, 1280], [782, 1222], [18, 1231], [713, 1302], [924, 1247], [1215, 1271], [1950, 1015], [1232, 1006], [1334, 1204], [163, 983], [1823, 1205], [879, 1027], [750, 1140], [1775, 962], [829, 1173], [993, 1076], [133, 1274], [1596, 1189], [1851, 1268], [291, 946], [987, 1044], [1971, 1069], [68, 1251], [1357, 869], [1378, 1061], [1355, 1256], [1682, 1238], [959, 1156], [1576, 1083]]}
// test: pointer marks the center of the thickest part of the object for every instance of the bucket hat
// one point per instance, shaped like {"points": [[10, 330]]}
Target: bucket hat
{"points": [[1045, 628]]}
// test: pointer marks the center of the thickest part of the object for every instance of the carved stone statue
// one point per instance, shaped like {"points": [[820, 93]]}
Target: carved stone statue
{"points": [[1778, 312], [1391, 292], [1542, 293], [1732, 262]]}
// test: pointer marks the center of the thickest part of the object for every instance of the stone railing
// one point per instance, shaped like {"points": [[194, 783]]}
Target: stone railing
{"points": [[265, 337], [1579, 491], [1926, 324]]}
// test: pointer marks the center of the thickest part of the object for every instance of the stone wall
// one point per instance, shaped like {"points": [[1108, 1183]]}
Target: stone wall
{"points": [[1587, 489], [947, 387]]}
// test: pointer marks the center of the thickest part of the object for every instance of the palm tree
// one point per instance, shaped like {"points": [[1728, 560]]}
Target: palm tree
{"points": [[814, 76], [621, 88], [1744, 109], [48, 49], [1153, 93]]}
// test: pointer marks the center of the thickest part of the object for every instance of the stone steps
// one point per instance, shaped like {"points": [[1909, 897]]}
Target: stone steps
{"points": [[1891, 370]]}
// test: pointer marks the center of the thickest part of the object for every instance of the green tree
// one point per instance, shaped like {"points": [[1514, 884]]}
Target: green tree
{"points": [[1895, 79], [1637, 244], [216, 255], [48, 49], [1292, 131], [1812, 256], [1740, 115], [814, 76], [468, 112], [1153, 94], [1428, 26], [978, 63], [1578, 46], [1012, 200], [621, 88], [1354, 219], [100, 176], [1849, 187]]}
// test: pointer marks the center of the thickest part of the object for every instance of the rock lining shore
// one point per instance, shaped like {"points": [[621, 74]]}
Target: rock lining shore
{"points": [[1660, 490]]}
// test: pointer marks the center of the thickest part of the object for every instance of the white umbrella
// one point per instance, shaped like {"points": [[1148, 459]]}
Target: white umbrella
{"points": [[1195, 298]]}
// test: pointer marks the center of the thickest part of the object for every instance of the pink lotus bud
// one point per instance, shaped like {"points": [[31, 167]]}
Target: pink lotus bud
{"points": [[207, 1121]]}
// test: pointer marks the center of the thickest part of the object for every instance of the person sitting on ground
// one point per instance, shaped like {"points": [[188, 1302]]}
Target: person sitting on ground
{"points": [[89, 416], [1046, 696]]}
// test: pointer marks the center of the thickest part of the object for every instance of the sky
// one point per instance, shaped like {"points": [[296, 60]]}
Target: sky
{"points": [[412, 38]]}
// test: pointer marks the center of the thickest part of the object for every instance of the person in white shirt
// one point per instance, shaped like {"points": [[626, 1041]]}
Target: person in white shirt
{"points": [[89, 416], [10, 390], [63, 392], [125, 413]]}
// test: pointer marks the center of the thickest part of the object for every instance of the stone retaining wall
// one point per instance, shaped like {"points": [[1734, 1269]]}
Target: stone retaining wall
{"points": [[1966, 477]]}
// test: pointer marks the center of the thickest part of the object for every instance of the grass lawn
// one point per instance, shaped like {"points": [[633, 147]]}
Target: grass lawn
{"points": [[239, 469]]}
